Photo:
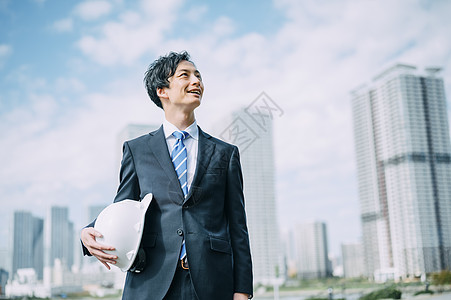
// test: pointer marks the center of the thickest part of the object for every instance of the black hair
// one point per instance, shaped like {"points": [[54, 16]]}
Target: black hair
{"points": [[160, 70]]}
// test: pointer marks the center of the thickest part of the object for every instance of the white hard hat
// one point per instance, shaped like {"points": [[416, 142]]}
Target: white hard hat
{"points": [[121, 225]]}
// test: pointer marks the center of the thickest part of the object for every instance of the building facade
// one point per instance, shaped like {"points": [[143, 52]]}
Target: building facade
{"points": [[59, 237], [403, 155], [353, 261], [28, 243], [312, 251]]}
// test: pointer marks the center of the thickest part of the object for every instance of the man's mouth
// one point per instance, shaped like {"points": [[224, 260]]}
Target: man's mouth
{"points": [[197, 92]]}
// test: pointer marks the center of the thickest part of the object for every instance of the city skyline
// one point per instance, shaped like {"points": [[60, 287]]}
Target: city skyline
{"points": [[71, 77]]}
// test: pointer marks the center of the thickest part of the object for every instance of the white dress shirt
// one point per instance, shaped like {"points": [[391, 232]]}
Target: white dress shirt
{"points": [[191, 143]]}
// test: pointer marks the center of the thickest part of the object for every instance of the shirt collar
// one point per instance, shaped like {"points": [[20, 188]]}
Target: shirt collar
{"points": [[169, 128]]}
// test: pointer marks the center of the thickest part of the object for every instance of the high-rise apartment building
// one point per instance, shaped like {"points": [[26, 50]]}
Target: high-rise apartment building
{"points": [[59, 237], [353, 262], [28, 243], [255, 142], [312, 250], [403, 154]]}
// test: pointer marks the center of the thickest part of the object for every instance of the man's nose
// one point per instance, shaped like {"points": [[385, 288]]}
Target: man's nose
{"points": [[195, 80]]}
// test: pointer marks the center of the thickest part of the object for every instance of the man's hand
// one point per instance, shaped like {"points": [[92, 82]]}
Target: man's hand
{"points": [[240, 296], [88, 238]]}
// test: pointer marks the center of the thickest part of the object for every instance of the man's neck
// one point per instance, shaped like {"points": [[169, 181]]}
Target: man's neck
{"points": [[180, 120]]}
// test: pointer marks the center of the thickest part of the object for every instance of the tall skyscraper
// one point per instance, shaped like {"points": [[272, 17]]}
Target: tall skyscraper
{"points": [[312, 250], [28, 237], [352, 255], [255, 143], [60, 235], [403, 154]]}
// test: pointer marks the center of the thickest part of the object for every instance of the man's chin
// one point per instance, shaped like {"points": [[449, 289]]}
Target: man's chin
{"points": [[196, 103]]}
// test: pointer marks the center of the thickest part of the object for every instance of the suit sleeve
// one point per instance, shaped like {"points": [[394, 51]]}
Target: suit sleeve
{"points": [[128, 186], [242, 262]]}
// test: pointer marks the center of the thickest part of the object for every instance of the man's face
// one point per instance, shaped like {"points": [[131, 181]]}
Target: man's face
{"points": [[185, 87]]}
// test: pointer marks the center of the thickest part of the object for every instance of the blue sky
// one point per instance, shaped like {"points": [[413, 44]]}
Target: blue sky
{"points": [[71, 79]]}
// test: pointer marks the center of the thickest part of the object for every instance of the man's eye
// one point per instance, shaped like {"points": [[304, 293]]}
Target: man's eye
{"points": [[184, 74]]}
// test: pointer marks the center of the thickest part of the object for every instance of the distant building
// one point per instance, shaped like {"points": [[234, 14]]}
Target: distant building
{"points": [[255, 143], [28, 244], [353, 263], [289, 250], [6, 257], [403, 152], [312, 250], [59, 237], [3, 280]]}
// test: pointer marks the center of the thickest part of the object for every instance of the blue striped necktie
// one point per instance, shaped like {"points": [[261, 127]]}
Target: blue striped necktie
{"points": [[179, 160]]}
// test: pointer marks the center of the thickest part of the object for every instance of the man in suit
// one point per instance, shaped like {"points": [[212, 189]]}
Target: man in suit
{"points": [[195, 237]]}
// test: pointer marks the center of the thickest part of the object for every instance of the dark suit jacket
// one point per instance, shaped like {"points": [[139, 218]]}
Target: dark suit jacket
{"points": [[211, 219]]}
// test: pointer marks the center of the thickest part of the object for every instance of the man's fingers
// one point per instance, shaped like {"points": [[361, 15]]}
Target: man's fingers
{"points": [[89, 240], [106, 265], [108, 261], [96, 245], [89, 236], [102, 255], [96, 233]]}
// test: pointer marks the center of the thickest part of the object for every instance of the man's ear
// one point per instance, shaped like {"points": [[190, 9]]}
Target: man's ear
{"points": [[161, 93]]}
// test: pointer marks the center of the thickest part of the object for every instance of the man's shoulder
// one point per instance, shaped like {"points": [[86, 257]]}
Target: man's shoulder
{"points": [[219, 143], [143, 138]]}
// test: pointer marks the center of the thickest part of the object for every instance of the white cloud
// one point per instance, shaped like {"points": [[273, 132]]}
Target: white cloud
{"points": [[120, 43], [63, 25], [161, 9], [134, 34], [92, 10]]}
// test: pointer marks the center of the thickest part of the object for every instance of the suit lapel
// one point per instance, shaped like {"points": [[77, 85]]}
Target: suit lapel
{"points": [[159, 148], [205, 151]]}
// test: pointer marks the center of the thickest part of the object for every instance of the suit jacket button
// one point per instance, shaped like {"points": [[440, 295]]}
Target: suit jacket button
{"points": [[180, 232]]}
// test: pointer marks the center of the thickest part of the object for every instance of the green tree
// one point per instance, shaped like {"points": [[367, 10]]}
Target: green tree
{"points": [[385, 293]]}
